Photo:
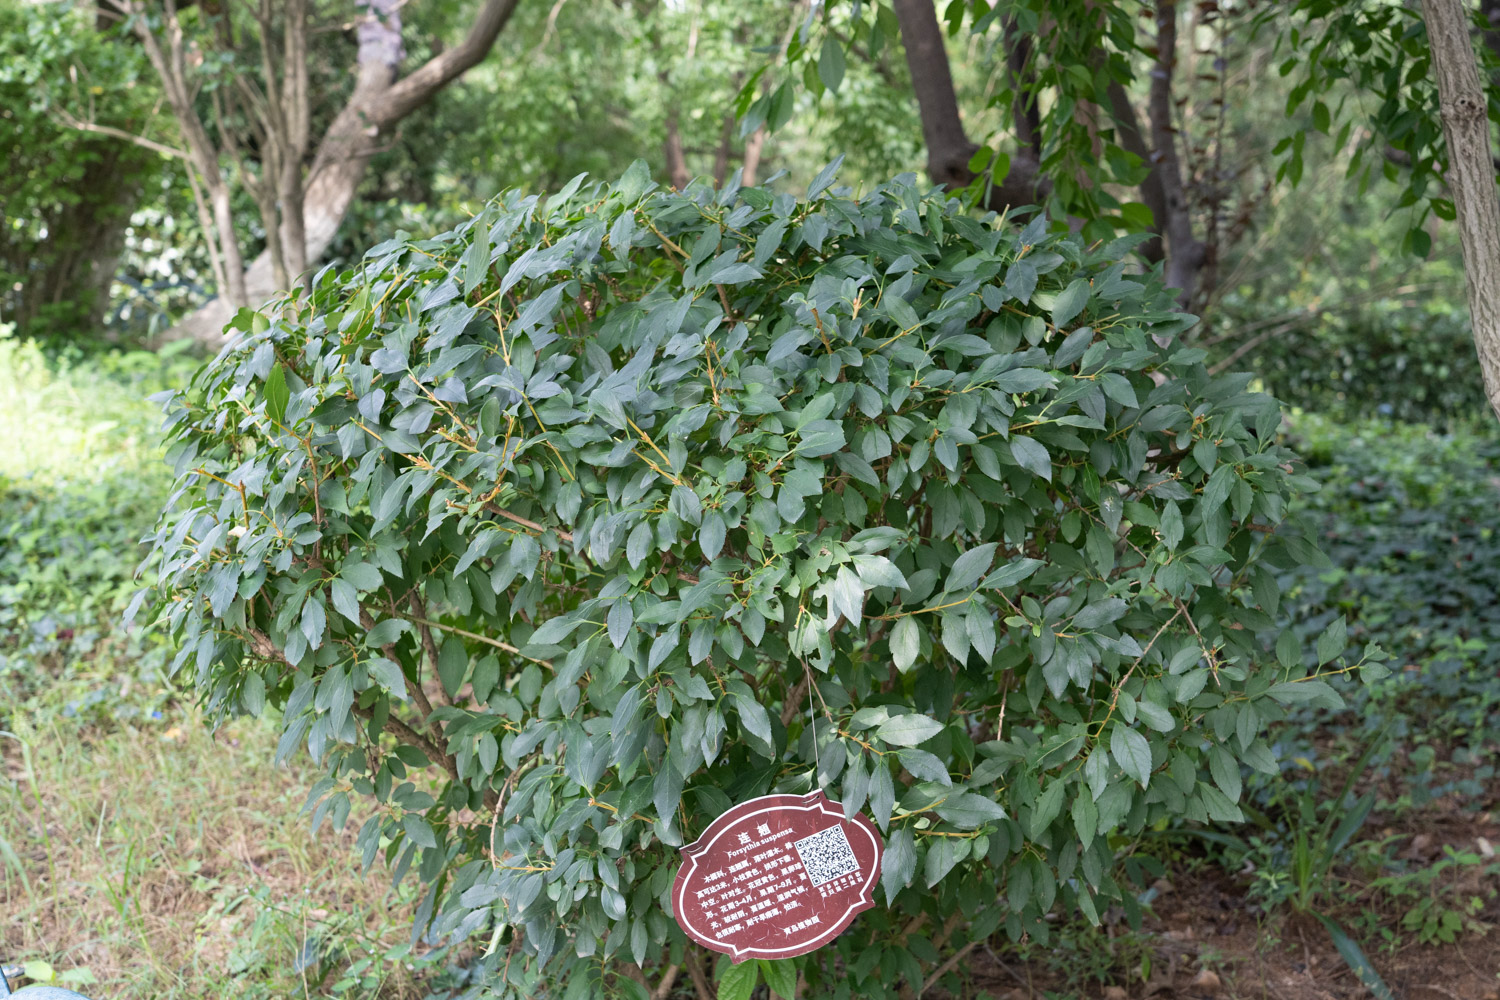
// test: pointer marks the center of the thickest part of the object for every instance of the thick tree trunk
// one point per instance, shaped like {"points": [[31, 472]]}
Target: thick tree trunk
{"points": [[357, 133], [949, 149], [1471, 176], [71, 270]]}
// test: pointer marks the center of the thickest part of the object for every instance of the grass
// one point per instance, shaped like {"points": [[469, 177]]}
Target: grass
{"points": [[167, 862], [141, 855]]}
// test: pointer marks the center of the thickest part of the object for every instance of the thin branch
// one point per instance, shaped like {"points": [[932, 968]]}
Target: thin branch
{"points": [[82, 126]]}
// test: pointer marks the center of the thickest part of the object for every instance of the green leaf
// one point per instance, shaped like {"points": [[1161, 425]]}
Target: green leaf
{"points": [[754, 718], [781, 976], [419, 830], [388, 675], [968, 811], [1012, 573], [1070, 302], [1171, 525], [1333, 641], [555, 630], [710, 536], [831, 64], [846, 596], [908, 730], [38, 971], [619, 621], [1217, 490], [1155, 716], [631, 989], [942, 856], [1354, 956], [1032, 456], [924, 766], [969, 567], [1131, 751], [739, 981], [345, 600], [452, 665], [1024, 380], [1100, 613], [1226, 772], [1305, 692], [906, 643], [899, 863], [277, 394], [476, 260], [825, 177]]}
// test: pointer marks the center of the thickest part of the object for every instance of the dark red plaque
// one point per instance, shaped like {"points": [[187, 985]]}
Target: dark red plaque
{"points": [[776, 877]]}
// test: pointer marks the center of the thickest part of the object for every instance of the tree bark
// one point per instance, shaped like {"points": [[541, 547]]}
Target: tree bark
{"points": [[1128, 132], [677, 169], [1471, 177], [1185, 254], [358, 132], [726, 146], [755, 145], [949, 148]]}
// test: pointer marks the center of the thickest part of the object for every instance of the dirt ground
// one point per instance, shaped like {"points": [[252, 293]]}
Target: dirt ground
{"points": [[1208, 940]]}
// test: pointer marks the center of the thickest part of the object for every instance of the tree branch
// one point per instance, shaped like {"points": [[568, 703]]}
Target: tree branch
{"points": [[417, 88], [118, 133]]}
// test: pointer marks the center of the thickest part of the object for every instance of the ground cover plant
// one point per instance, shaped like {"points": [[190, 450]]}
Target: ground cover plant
{"points": [[618, 507]]}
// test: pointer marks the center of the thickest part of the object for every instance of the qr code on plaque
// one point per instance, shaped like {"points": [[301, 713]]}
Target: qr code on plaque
{"points": [[827, 855]]}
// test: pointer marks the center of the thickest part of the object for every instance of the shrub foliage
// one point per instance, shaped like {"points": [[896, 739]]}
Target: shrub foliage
{"points": [[602, 512]]}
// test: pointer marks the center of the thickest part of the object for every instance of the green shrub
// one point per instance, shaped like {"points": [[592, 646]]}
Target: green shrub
{"points": [[600, 513]]}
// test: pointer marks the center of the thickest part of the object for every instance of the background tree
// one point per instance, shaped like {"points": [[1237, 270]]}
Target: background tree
{"points": [[1471, 176], [65, 197], [301, 213]]}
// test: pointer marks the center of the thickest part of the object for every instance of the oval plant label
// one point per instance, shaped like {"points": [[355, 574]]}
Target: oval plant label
{"points": [[776, 877]]}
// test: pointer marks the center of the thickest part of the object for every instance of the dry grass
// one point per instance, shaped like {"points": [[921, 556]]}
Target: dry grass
{"points": [[168, 862]]}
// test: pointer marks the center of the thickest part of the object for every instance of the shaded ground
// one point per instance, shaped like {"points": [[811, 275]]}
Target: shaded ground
{"points": [[1206, 938]]}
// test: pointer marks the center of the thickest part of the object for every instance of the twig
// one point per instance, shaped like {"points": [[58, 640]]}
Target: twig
{"points": [[566, 536], [695, 971], [419, 617], [507, 647], [946, 967], [664, 988]]}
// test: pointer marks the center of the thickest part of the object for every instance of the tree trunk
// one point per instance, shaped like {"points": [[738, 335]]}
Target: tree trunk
{"points": [[1185, 253], [1471, 177], [726, 146], [69, 272], [677, 169], [949, 149], [755, 146], [357, 133]]}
